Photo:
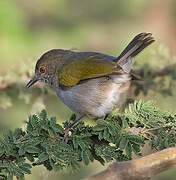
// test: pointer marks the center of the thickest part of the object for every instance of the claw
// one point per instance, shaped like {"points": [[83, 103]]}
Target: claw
{"points": [[70, 126], [66, 132]]}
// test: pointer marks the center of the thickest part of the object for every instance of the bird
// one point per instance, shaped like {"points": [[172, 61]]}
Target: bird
{"points": [[91, 84]]}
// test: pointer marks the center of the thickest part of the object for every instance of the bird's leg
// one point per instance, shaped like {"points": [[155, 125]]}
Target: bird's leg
{"points": [[70, 126], [105, 116]]}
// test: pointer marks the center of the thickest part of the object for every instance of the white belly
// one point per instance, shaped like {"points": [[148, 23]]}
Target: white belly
{"points": [[96, 97]]}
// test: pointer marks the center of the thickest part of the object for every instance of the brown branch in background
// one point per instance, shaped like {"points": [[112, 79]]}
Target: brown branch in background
{"points": [[6, 85], [165, 71], [143, 168]]}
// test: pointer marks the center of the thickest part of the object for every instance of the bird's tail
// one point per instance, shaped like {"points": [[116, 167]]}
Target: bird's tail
{"points": [[136, 46]]}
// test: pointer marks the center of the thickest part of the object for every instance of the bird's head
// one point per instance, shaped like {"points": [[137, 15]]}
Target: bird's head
{"points": [[47, 66]]}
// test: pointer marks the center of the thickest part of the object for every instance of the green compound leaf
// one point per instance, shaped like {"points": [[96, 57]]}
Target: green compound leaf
{"points": [[43, 157], [32, 149]]}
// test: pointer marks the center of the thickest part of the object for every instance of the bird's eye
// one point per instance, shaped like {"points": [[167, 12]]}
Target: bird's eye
{"points": [[42, 70]]}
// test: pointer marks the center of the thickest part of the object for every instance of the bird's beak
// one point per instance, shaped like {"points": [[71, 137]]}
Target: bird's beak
{"points": [[32, 82]]}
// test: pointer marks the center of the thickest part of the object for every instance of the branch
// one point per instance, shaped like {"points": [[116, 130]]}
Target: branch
{"points": [[165, 71], [162, 72], [142, 168], [6, 85]]}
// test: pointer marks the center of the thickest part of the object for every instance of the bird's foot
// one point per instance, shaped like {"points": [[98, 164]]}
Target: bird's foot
{"points": [[66, 132]]}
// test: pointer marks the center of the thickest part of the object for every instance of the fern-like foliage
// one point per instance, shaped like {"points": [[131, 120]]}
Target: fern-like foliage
{"points": [[116, 138]]}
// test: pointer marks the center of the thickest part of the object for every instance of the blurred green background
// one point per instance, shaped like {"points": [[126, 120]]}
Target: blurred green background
{"points": [[29, 28]]}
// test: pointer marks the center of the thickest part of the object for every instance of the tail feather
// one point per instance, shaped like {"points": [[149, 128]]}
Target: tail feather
{"points": [[136, 46]]}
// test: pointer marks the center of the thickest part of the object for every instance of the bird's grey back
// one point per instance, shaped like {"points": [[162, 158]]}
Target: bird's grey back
{"points": [[80, 55]]}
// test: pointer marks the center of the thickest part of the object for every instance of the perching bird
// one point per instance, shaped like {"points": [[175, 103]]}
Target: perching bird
{"points": [[91, 84]]}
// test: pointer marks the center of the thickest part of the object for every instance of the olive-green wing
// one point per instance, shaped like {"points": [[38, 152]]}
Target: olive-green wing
{"points": [[86, 68]]}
